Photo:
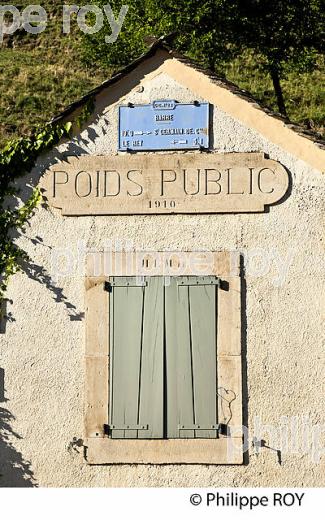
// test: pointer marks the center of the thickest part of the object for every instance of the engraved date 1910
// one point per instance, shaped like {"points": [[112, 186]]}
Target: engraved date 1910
{"points": [[162, 204]]}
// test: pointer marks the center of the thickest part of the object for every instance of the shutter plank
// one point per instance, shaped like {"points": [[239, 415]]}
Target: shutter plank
{"points": [[178, 360], [204, 335], [126, 338], [151, 383], [191, 336]]}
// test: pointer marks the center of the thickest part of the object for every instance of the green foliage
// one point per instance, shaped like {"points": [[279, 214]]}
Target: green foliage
{"points": [[304, 93], [41, 74], [199, 29], [286, 34], [17, 159], [86, 112], [130, 43], [283, 32]]}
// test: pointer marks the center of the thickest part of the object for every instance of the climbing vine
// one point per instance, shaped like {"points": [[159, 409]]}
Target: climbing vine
{"points": [[17, 159]]}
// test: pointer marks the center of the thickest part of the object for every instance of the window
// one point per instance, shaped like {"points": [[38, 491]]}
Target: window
{"points": [[163, 350], [163, 360]]}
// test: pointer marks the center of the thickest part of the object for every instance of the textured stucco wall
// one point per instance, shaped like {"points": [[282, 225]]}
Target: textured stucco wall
{"points": [[42, 350]]}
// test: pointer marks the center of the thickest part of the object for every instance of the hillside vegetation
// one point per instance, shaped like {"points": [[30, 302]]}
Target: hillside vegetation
{"points": [[40, 75]]}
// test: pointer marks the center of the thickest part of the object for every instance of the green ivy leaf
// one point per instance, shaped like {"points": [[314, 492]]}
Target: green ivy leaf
{"points": [[16, 159]]}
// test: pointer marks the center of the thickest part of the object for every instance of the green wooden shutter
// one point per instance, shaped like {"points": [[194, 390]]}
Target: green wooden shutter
{"points": [[191, 357], [136, 351]]}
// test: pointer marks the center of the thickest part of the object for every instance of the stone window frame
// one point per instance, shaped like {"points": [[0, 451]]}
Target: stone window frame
{"points": [[100, 449]]}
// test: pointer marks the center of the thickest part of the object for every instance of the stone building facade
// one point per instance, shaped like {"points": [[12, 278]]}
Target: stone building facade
{"points": [[267, 253]]}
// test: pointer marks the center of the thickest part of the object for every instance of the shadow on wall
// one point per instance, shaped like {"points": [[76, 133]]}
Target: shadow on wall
{"points": [[40, 275], [14, 470], [25, 189]]}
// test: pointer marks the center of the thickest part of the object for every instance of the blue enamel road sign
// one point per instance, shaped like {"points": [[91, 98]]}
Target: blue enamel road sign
{"points": [[164, 125]]}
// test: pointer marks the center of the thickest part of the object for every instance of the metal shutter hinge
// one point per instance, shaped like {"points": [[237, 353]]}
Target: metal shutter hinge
{"points": [[209, 427], [109, 427]]}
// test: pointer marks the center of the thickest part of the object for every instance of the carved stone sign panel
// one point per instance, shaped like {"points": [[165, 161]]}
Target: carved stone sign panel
{"points": [[165, 183]]}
